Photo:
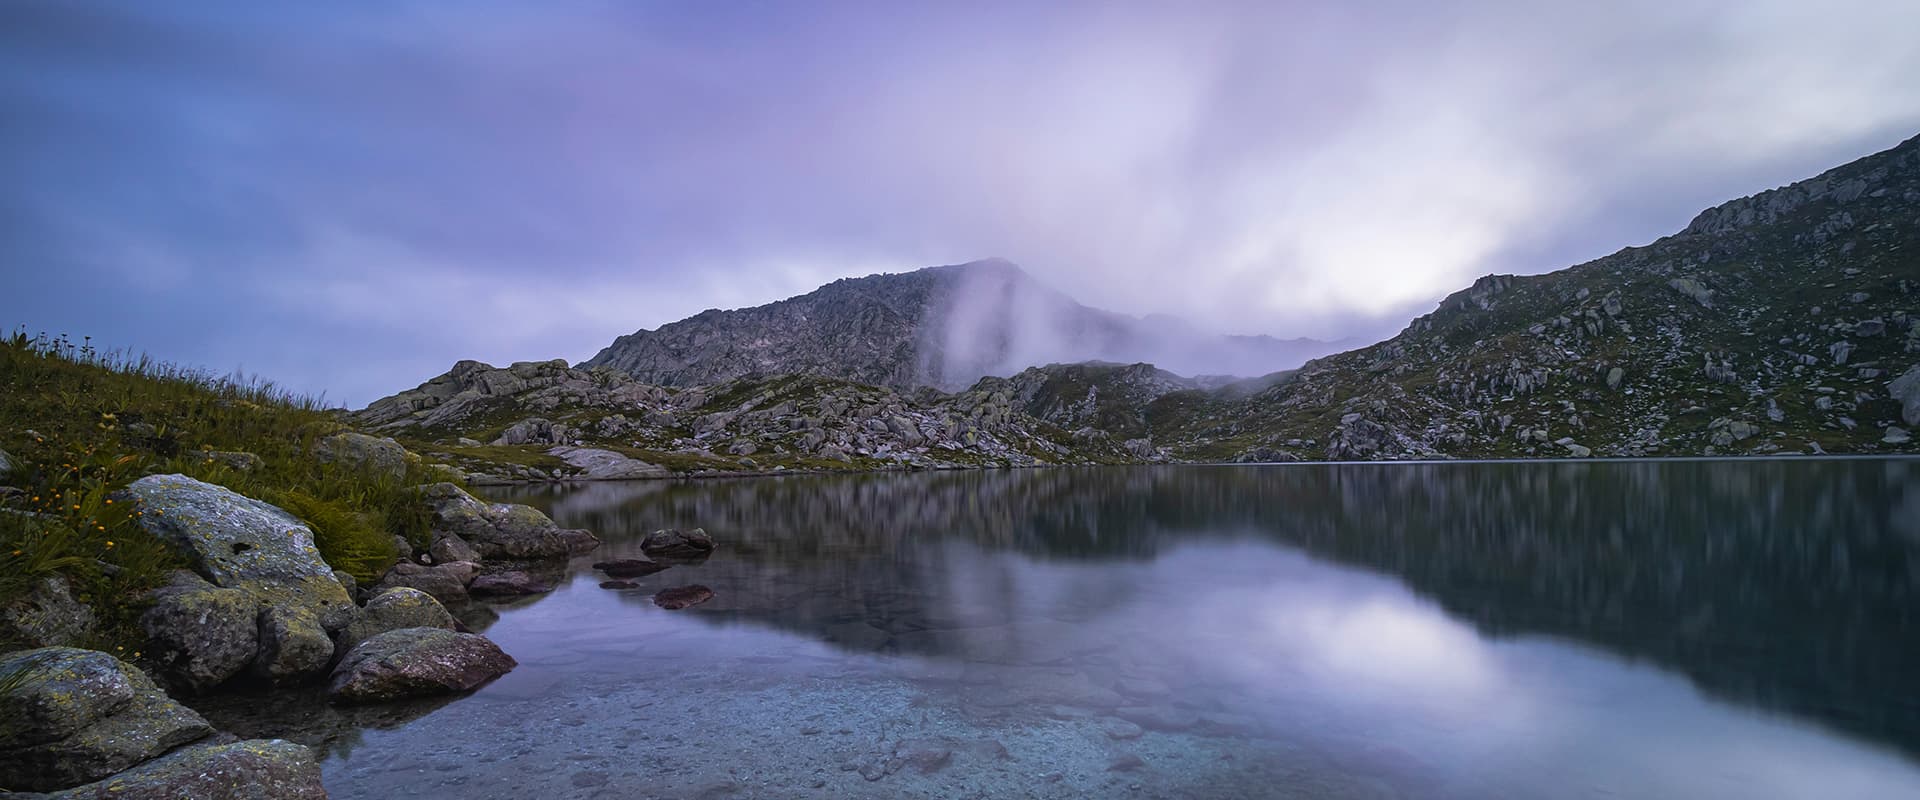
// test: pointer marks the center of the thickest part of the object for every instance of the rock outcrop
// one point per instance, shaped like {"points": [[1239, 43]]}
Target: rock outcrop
{"points": [[358, 451]]}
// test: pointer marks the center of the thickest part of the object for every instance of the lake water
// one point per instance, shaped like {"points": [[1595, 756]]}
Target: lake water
{"points": [[1704, 629]]}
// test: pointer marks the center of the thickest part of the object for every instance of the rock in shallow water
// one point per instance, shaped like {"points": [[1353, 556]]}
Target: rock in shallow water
{"points": [[679, 543], [681, 597], [629, 567], [511, 583], [82, 715], [249, 770], [392, 610], [416, 662]]}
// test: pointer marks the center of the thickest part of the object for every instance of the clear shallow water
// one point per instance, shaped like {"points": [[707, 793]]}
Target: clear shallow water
{"points": [[1691, 630]]}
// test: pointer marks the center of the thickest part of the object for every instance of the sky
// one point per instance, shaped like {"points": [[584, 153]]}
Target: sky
{"points": [[347, 198]]}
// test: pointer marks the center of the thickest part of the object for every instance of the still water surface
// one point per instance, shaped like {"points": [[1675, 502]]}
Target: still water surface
{"points": [[1711, 629]]}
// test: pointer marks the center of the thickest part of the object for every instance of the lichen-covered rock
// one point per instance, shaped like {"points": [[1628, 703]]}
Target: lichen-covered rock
{"points": [[294, 646], [46, 616], [200, 633], [416, 662], [500, 530], [248, 770], [81, 715], [446, 582], [374, 455], [392, 610], [240, 543], [679, 543]]}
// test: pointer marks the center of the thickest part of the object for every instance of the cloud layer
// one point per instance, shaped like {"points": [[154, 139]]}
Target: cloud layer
{"points": [[352, 199]]}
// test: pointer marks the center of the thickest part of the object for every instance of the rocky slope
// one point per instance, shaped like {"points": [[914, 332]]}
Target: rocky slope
{"points": [[943, 326], [538, 420], [1780, 322]]}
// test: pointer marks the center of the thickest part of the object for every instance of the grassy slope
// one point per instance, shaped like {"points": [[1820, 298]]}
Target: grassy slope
{"points": [[82, 425]]}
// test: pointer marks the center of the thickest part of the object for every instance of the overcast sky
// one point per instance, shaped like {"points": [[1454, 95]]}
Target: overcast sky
{"points": [[349, 200]]}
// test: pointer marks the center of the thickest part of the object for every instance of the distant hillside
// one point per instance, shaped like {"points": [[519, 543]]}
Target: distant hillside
{"points": [[944, 327], [1773, 323]]}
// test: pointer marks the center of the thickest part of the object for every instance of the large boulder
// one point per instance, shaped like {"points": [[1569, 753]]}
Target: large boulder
{"points": [[46, 616], [202, 634], [677, 543], [358, 451], [237, 542], [249, 770], [70, 716], [500, 530], [392, 610], [1906, 390], [416, 662]]}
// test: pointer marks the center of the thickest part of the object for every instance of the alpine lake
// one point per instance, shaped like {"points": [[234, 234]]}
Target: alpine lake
{"points": [[1616, 629]]}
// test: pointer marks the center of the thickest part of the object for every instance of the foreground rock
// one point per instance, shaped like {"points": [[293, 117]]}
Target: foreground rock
{"points": [[237, 542], [201, 633], [391, 610], [249, 770], [80, 715], [678, 543], [500, 530], [416, 662]]}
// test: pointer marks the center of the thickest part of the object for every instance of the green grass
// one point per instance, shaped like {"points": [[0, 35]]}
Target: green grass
{"points": [[82, 424]]}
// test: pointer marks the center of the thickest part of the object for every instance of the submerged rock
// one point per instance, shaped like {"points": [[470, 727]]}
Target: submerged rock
{"points": [[416, 662], [619, 585], [679, 543], [249, 770], [629, 567], [81, 715], [202, 634], [681, 597]]}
